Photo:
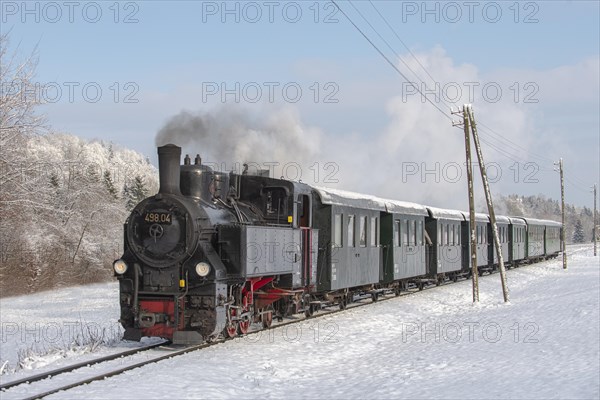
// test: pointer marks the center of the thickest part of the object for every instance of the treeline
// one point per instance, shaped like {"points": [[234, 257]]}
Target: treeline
{"points": [[63, 200], [579, 221], [63, 210]]}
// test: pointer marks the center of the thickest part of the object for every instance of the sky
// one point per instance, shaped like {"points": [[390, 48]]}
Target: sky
{"points": [[331, 95]]}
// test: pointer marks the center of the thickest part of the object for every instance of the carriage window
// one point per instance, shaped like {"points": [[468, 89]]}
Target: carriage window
{"points": [[439, 235], [520, 231], [413, 232], [337, 230], [445, 234], [521, 236], [397, 233], [350, 230], [419, 233], [405, 232], [374, 230], [363, 231], [457, 237]]}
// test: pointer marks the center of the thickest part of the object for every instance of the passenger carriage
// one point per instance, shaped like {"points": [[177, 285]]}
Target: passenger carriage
{"points": [[502, 224], [482, 223], [403, 243], [517, 237], [349, 253], [552, 238], [445, 229], [535, 239]]}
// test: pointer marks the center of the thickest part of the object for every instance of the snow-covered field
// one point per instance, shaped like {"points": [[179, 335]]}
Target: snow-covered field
{"points": [[435, 343]]}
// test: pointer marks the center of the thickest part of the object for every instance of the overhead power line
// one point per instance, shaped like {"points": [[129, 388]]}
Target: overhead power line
{"points": [[388, 60]]}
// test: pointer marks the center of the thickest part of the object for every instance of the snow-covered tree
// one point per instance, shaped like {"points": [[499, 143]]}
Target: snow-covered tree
{"points": [[135, 192], [578, 236], [108, 182]]}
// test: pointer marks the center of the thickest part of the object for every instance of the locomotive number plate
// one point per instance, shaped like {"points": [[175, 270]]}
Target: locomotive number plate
{"points": [[158, 218]]}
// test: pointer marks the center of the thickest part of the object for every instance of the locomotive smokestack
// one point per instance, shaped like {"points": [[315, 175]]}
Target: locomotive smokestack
{"points": [[169, 169]]}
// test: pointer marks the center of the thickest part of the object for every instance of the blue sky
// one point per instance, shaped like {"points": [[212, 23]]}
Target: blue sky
{"points": [[166, 55]]}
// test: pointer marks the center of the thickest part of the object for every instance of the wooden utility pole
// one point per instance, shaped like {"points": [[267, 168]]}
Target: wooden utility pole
{"points": [[562, 200], [473, 242], [490, 203], [594, 231]]}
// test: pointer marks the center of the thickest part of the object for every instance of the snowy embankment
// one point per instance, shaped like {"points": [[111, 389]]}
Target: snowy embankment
{"points": [[436, 343]]}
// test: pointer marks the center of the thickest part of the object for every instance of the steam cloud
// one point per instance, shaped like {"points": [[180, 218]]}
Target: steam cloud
{"points": [[230, 135]]}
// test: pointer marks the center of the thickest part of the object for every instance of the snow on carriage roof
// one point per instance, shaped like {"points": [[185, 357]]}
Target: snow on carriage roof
{"points": [[360, 200], [479, 217], [517, 220], [502, 219], [445, 214], [545, 222]]}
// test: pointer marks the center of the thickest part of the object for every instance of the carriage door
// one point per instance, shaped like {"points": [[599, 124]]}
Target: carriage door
{"points": [[309, 241]]}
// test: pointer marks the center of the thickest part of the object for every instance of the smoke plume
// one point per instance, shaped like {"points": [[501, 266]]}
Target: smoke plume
{"points": [[230, 135]]}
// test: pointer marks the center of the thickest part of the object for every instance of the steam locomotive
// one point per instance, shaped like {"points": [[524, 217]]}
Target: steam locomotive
{"points": [[213, 252]]}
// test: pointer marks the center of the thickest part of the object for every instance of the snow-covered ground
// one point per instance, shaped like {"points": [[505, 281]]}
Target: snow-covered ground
{"points": [[435, 343]]}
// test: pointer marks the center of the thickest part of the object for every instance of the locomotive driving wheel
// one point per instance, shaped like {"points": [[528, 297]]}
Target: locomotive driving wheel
{"points": [[244, 323], [243, 327], [231, 329]]}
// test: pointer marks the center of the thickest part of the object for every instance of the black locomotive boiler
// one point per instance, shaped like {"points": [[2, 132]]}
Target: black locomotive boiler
{"points": [[213, 252]]}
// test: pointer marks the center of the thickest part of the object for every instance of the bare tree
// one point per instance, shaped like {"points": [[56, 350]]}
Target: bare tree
{"points": [[19, 99]]}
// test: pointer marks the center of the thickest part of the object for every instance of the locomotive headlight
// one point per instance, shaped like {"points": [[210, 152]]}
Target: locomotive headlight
{"points": [[202, 269], [120, 267]]}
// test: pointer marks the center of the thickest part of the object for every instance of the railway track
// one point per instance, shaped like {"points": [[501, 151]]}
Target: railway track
{"points": [[136, 358]]}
